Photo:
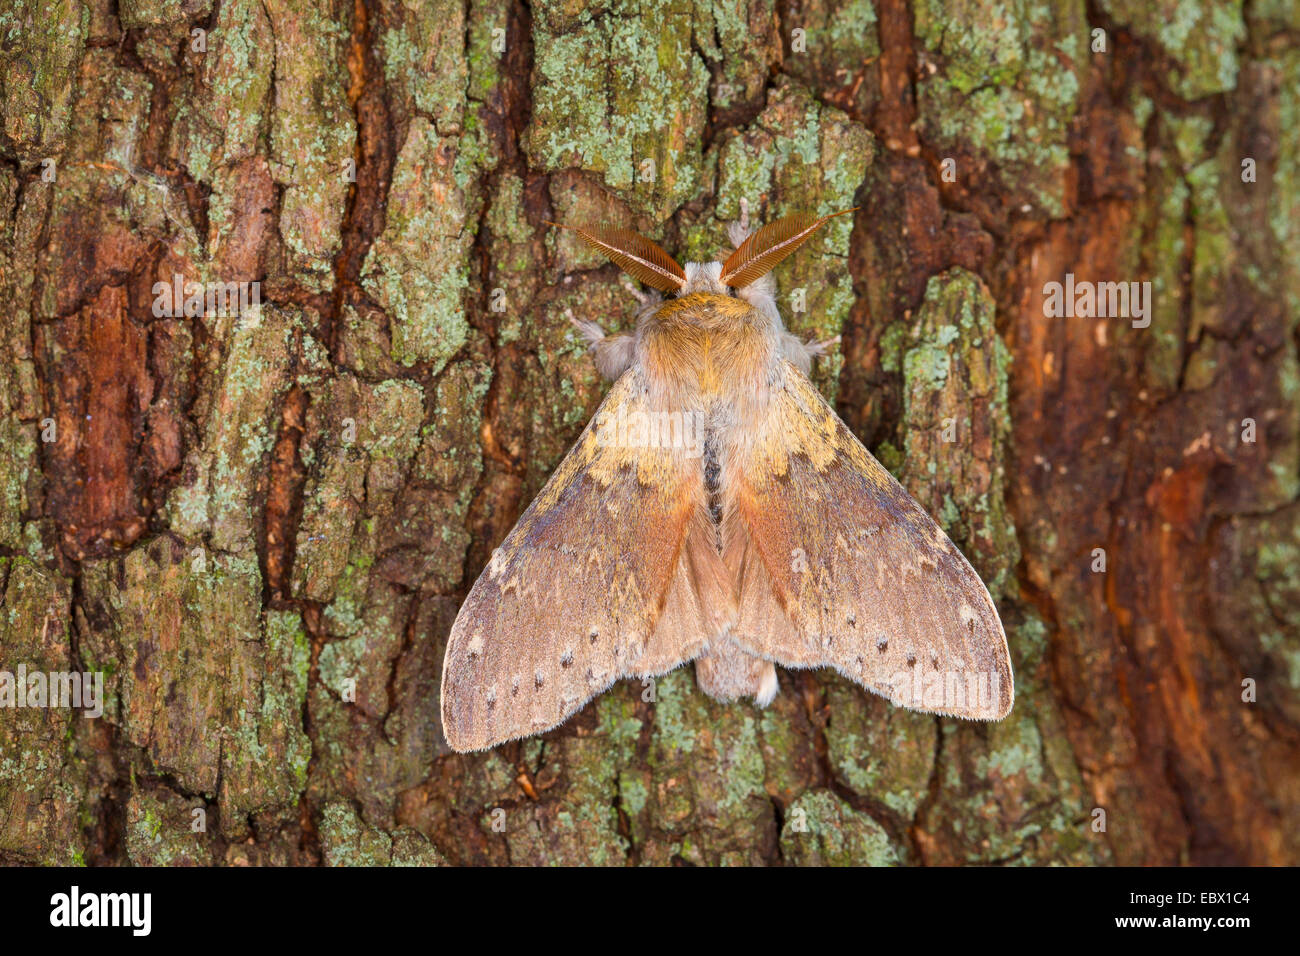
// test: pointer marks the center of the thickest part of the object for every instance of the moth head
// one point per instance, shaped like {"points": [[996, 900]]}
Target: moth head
{"points": [[704, 277], [758, 255]]}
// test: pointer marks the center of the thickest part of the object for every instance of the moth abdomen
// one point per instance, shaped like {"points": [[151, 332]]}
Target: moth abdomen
{"points": [[713, 485]]}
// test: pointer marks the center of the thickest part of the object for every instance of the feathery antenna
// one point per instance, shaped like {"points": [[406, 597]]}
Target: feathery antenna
{"points": [[634, 254], [760, 253]]}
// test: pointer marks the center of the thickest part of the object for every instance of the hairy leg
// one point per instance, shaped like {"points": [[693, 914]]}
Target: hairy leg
{"points": [[613, 353], [802, 353]]}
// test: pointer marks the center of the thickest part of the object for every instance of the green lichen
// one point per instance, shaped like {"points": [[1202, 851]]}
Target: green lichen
{"points": [[313, 135], [882, 752], [674, 730], [822, 830], [43, 43], [424, 60], [347, 840], [1007, 86], [418, 270], [1200, 37], [618, 90], [240, 738], [160, 830], [237, 433], [955, 373]]}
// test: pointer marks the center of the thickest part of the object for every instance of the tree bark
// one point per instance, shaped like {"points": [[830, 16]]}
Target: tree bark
{"points": [[259, 527]]}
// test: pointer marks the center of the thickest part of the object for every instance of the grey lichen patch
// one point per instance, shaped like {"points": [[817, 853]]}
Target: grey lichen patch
{"points": [[778, 155], [708, 785], [840, 47], [365, 344], [1012, 791], [674, 736], [449, 464], [618, 89], [620, 725], [1004, 97], [489, 782], [1214, 272], [822, 830], [412, 848], [488, 41], [414, 720], [789, 764], [223, 125], [418, 269], [18, 468], [313, 133], [801, 156], [21, 411], [882, 752], [506, 220], [1200, 37], [43, 767], [347, 840], [375, 710], [238, 427], [1166, 211], [1025, 814], [160, 829], [581, 826], [956, 422], [265, 766], [1257, 601], [515, 277], [135, 14], [204, 711], [741, 45], [1239, 271], [1284, 215], [357, 444], [1270, 14], [424, 61], [370, 620]]}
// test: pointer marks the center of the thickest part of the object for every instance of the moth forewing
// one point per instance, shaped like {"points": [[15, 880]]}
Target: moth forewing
{"points": [[573, 598], [862, 578]]}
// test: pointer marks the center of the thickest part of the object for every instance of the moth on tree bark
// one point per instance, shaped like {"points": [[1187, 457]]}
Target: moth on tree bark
{"points": [[259, 524], [646, 551]]}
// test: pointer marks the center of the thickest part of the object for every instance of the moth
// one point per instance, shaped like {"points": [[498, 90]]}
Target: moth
{"points": [[717, 510]]}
